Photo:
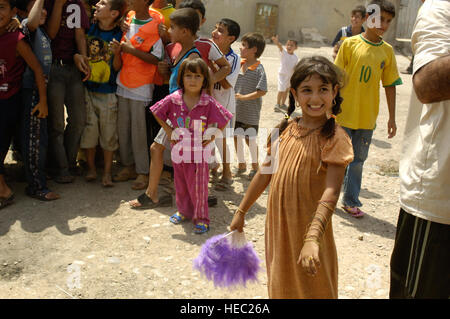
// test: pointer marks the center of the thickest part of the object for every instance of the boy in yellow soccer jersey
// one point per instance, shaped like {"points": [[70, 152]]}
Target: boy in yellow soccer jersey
{"points": [[367, 60]]}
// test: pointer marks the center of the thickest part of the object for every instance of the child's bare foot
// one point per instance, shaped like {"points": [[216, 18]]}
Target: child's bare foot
{"points": [[107, 180]]}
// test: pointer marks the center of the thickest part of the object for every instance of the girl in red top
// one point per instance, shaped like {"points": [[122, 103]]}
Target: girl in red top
{"points": [[12, 55]]}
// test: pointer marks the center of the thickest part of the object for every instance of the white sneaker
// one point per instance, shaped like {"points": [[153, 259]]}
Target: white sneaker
{"points": [[277, 108]]}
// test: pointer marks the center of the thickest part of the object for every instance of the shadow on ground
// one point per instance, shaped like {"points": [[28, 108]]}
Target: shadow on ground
{"points": [[368, 224]]}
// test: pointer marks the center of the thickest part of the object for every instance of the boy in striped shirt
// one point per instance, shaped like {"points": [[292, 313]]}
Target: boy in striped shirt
{"points": [[251, 86]]}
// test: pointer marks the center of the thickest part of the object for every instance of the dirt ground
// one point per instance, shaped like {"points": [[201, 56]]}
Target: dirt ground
{"points": [[90, 244]]}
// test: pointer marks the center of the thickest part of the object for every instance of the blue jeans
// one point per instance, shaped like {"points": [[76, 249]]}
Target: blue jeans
{"points": [[34, 142], [361, 140]]}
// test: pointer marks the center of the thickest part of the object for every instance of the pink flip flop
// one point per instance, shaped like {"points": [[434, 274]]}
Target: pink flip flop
{"points": [[354, 211]]}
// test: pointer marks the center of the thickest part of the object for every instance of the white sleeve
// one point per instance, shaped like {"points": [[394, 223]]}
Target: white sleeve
{"points": [[235, 63], [431, 36], [214, 52], [158, 50]]}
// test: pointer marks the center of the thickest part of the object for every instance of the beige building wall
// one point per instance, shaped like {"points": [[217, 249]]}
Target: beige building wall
{"points": [[328, 16]]}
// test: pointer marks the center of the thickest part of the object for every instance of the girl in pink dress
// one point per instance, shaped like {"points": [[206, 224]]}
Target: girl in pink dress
{"points": [[195, 117]]}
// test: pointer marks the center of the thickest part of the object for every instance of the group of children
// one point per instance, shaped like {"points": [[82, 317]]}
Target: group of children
{"points": [[108, 67], [151, 82]]}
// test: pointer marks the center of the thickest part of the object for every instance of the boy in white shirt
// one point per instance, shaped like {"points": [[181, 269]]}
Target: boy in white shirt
{"points": [[224, 34], [288, 62]]}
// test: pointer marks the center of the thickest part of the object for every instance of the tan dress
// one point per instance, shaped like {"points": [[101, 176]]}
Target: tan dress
{"points": [[296, 187]]}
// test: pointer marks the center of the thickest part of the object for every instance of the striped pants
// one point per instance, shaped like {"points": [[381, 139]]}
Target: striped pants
{"points": [[420, 261], [191, 190]]}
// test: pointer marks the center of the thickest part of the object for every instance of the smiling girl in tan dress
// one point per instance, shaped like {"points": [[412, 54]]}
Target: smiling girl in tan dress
{"points": [[310, 157]]}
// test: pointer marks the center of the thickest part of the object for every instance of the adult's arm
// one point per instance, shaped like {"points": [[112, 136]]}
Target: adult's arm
{"points": [[432, 81], [430, 42]]}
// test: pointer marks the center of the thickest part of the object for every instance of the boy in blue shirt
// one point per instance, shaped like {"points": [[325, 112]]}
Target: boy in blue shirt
{"points": [[356, 27], [100, 87]]}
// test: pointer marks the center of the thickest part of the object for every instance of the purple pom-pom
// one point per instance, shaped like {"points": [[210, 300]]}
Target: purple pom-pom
{"points": [[227, 263]]}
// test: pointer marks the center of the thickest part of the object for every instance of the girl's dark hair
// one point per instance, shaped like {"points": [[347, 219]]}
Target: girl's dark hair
{"points": [[329, 73], [195, 65]]}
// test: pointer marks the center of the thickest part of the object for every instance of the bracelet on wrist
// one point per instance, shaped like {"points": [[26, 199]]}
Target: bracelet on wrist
{"points": [[311, 239]]}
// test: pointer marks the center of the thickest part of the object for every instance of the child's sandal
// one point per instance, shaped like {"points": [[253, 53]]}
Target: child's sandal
{"points": [[353, 211], [177, 218], [201, 228]]}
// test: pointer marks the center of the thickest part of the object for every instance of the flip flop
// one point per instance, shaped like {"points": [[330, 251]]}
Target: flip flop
{"points": [[353, 211], [147, 203], [201, 228], [42, 195], [6, 201], [177, 218]]}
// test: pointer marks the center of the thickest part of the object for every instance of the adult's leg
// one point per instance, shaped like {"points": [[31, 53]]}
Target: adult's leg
{"points": [[420, 259], [361, 140]]}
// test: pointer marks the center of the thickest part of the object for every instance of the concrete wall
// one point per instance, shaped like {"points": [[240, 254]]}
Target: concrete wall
{"points": [[328, 16]]}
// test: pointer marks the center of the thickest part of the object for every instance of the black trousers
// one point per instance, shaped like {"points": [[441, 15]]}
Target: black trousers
{"points": [[160, 92], [10, 111], [420, 261]]}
